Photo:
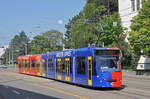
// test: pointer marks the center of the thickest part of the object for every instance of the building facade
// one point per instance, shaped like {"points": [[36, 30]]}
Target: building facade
{"points": [[2, 51], [127, 10]]}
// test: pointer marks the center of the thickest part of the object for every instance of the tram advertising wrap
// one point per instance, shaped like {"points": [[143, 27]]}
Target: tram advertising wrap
{"points": [[95, 67]]}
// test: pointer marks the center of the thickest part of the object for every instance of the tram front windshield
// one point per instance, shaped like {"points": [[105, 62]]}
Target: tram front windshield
{"points": [[107, 63]]}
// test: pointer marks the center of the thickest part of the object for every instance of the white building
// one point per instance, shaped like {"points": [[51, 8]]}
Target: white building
{"points": [[2, 50], [143, 63], [127, 10]]}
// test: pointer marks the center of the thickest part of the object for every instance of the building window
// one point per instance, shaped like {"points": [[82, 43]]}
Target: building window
{"points": [[81, 65], [138, 4], [133, 5]]}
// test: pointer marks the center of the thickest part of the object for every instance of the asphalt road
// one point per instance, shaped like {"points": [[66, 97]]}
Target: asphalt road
{"points": [[18, 86]]}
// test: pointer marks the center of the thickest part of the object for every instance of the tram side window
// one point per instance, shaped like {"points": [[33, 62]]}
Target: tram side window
{"points": [[58, 65], [33, 64], [94, 68], [25, 64], [28, 64], [19, 64], [38, 65], [70, 65], [63, 65], [50, 64], [81, 65]]}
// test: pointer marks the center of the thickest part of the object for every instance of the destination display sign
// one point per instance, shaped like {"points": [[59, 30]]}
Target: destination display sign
{"points": [[63, 54]]}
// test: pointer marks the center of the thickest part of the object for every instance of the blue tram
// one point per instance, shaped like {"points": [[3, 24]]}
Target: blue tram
{"points": [[96, 67]]}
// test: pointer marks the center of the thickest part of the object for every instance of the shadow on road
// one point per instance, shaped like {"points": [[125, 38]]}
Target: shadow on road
{"points": [[7, 92], [93, 88], [83, 86], [104, 89], [7, 81]]}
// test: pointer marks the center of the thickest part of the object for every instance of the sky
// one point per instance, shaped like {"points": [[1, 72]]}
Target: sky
{"points": [[35, 16]]}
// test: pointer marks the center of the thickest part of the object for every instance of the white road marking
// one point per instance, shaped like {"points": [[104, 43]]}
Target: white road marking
{"points": [[27, 98], [16, 92]]}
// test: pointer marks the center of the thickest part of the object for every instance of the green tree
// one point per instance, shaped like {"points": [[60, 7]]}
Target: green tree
{"points": [[79, 33], [140, 31], [110, 5], [85, 27], [47, 42], [5, 56], [111, 32], [17, 47]]}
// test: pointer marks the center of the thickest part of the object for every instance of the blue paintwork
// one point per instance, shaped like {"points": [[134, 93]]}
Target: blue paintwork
{"points": [[51, 74], [79, 78], [63, 55], [44, 56], [99, 80]]}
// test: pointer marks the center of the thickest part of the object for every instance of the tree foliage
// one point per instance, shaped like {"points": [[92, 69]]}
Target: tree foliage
{"points": [[48, 41], [140, 31], [85, 28], [110, 5], [93, 25], [17, 47]]}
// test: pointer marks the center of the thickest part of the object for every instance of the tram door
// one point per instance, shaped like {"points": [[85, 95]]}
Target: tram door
{"points": [[44, 67], [59, 69], [67, 69], [90, 70]]}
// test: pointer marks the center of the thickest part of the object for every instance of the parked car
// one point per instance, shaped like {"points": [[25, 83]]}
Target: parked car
{"points": [[4, 66]]}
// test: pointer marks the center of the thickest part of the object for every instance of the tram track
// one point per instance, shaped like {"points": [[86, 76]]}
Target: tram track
{"points": [[131, 91], [137, 94], [139, 78], [125, 93], [44, 84]]}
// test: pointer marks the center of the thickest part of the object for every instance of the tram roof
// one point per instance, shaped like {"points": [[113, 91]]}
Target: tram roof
{"points": [[87, 48]]}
